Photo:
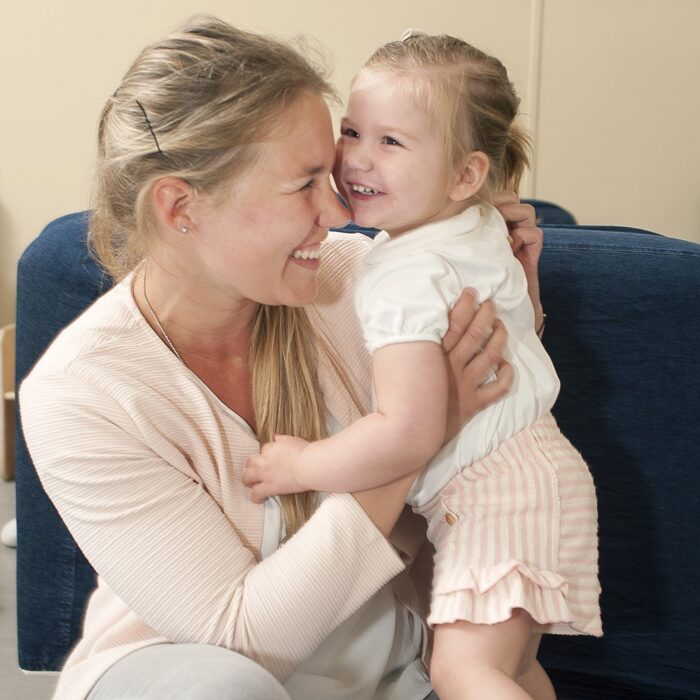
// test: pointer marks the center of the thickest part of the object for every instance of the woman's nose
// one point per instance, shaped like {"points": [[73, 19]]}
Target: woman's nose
{"points": [[332, 213]]}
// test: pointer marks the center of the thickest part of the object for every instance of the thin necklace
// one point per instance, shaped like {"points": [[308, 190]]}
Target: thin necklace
{"points": [[155, 315]]}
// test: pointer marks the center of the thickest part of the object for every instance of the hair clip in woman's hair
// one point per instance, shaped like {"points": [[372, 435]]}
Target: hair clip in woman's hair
{"points": [[411, 33], [150, 126]]}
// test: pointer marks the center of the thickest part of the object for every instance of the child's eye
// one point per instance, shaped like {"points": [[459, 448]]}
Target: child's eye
{"points": [[389, 141], [347, 131]]}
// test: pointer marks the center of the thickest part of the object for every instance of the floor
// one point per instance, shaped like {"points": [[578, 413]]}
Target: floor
{"points": [[14, 684]]}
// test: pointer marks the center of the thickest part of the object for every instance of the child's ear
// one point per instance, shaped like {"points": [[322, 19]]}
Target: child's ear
{"points": [[470, 177], [172, 200]]}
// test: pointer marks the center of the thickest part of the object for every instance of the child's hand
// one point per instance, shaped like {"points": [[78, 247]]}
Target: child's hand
{"points": [[272, 472]]}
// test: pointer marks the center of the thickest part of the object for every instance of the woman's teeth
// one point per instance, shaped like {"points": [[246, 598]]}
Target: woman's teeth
{"points": [[307, 254], [361, 189]]}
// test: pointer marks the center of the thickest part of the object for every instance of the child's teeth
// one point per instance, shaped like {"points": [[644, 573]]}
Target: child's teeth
{"points": [[363, 190]]}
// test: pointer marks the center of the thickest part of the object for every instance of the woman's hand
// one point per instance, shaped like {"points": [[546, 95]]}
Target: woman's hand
{"points": [[527, 243], [477, 374]]}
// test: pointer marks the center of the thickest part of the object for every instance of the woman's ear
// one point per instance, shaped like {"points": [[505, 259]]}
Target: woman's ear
{"points": [[470, 177], [173, 199]]}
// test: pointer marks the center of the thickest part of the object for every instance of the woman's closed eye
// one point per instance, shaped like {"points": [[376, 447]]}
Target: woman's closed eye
{"points": [[320, 181]]}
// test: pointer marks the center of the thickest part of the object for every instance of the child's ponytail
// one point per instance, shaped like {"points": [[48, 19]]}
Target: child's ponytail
{"points": [[516, 157]]}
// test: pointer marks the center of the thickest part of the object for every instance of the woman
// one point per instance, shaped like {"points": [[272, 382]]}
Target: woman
{"points": [[212, 201]]}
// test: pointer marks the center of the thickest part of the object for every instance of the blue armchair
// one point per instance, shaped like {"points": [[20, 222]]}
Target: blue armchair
{"points": [[623, 330]]}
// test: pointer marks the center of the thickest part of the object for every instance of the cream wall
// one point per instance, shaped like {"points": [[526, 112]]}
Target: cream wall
{"points": [[609, 89], [619, 113]]}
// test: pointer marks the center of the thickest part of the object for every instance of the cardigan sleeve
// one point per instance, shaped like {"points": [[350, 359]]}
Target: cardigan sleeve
{"points": [[163, 545]]}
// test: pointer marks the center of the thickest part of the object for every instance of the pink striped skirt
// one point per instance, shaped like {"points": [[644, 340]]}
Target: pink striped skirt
{"points": [[518, 529]]}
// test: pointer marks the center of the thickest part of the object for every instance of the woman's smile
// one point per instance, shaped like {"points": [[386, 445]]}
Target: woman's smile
{"points": [[308, 256]]}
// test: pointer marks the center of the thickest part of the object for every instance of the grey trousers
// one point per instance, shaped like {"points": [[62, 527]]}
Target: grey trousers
{"points": [[187, 672]]}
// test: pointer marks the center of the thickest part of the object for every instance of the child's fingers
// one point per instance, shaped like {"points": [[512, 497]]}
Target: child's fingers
{"points": [[252, 473], [258, 494], [253, 479], [249, 478]]}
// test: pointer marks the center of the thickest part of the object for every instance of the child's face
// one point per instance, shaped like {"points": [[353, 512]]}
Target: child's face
{"points": [[391, 162]]}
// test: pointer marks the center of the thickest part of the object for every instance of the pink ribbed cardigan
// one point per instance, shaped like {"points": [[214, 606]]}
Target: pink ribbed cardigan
{"points": [[144, 465]]}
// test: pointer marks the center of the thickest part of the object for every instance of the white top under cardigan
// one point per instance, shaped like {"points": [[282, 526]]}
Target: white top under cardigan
{"points": [[144, 465], [407, 287]]}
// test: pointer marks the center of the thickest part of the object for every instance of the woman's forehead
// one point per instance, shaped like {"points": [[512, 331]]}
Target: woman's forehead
{"points": [[302, 143]]}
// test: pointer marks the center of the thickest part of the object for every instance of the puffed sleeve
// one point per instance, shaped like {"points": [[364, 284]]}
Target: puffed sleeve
{"points": [[406, 300]]}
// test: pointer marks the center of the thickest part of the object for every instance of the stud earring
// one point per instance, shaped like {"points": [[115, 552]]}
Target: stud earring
{"points": [[183, 229]]}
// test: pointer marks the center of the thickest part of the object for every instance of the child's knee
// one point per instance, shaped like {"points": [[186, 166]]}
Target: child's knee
{"points": [[440, 669], [450, 662]]}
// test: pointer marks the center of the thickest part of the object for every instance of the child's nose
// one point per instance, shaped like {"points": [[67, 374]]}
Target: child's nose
{"points": [[358, 157]]}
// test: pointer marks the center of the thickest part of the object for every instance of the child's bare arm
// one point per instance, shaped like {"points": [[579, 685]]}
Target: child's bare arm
{"points": [[399, 438]]}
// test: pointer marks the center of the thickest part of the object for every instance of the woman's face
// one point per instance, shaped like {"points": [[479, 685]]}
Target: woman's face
{"points": [[263, 244]]}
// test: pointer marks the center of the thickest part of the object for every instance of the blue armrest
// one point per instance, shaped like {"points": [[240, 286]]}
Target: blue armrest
{"points": [[549, 213], [623, 330], [56, 280]]}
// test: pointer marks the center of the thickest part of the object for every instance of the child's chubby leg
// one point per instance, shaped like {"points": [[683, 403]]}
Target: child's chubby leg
{"points": [[480, 662], [531, 676]]}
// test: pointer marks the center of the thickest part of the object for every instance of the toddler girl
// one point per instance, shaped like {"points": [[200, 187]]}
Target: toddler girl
{"points": [[428, 137]]}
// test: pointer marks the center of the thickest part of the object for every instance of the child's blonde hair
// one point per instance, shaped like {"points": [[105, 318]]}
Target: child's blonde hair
{"points": [[467, 94], [194, 106]]}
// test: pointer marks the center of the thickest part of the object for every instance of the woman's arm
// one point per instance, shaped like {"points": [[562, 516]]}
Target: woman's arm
{"points": [[165, 547], [521, 220], [474, 346]]}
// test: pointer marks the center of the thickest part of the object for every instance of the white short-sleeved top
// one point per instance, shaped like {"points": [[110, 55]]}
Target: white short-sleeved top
{"points": [[407, 287]]}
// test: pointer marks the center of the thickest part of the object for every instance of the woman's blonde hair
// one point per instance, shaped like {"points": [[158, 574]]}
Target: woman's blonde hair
{"points": [[468, 96], [194, 106]]}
